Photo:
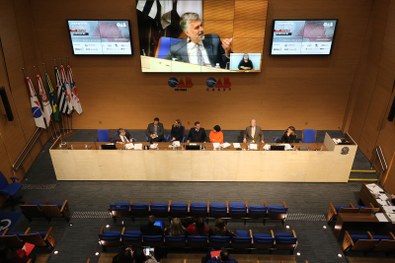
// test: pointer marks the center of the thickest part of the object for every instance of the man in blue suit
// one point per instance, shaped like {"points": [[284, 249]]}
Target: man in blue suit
{"points": [[198, 48]]}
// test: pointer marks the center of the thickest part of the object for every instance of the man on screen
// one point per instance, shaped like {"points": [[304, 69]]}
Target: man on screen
{"points": [[198, 48]]}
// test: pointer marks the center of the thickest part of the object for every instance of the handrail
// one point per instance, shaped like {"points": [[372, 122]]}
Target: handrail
{"points": [[379, 163], [26, 150], [380, 156]]}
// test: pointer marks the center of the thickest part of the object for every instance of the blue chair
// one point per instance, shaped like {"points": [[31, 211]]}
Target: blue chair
{"points": [[286, 241], [218, 242], [238, 211], [159, 210], [309, 136], [264, 241], [11, 240], [277, 212], [119, 210], [103, 135], [217, 210], [178, 210], [9, 190], [110, 238], [257, 212], [197, 241], [139, 210], [44, 239], [153, 240], [132, 237], [163, 48], [198, 210], [359, 242], [175, 241], [242, 239]]}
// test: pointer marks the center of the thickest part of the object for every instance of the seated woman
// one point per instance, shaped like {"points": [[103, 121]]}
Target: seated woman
{"points": [[289, 135], [176, 228], [216, 135], [220, 229], [177, 131], [198, 228], [122, 136]]}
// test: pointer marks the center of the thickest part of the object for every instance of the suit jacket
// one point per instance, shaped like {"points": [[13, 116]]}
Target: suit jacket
{"points": [[258, 134], [160, 131], [197, 136], [117, 138], [212, 44], [151, 230]]}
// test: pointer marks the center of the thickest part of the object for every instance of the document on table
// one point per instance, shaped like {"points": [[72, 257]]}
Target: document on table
{"points": [[225, 145], [381, 217], [236, 145]]}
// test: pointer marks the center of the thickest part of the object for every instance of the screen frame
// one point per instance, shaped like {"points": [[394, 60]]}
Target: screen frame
{"points": [[122, 20], [300, 19]]}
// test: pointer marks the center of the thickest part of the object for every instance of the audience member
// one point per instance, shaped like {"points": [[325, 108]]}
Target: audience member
{"points": [[223, 257], [150, 228], [220, 229], [198, 228], [176, 228]]}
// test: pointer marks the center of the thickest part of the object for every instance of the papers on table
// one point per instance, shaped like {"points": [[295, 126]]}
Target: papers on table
{"points": [[266, 147], [225, 145], [374, 188], [176, 144], [216, 145], [381, 217], [236, 145], [153, 146], [138, 146], [129, 146], [253, 146]]}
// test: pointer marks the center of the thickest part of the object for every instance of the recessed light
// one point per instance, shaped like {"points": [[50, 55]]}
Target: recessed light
{"points": [[287, 226], [107, 226], [324, 227], [339, 255], [56, 252], [97, 253], [298, 253]]}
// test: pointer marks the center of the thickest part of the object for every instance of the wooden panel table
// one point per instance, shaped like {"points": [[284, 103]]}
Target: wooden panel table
{"points": [[86, 161]]}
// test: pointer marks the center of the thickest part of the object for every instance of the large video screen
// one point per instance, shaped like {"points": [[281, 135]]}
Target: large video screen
{"points": [[303, 37], [100, 37], [201, 35]]}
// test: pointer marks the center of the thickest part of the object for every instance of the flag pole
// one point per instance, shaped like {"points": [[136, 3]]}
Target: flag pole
{"points": [[52, 123]]}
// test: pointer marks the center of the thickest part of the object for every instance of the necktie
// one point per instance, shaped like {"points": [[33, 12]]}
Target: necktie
{"points": [[124, 139], [253, 132], [199, 55]]}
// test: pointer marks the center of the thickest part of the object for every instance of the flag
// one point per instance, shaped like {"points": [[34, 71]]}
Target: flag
{"points": [[52, 98], [61, 89], [75, 100], [66, 88], [47, 109], [36, 107]]}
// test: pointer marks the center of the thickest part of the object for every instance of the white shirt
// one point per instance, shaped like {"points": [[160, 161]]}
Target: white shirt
{"points": [[192, 53], [124, 138]]}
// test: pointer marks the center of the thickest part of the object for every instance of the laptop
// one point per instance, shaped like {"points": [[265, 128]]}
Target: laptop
{"points": [[192, 147], [277, 147], [108, 146]]}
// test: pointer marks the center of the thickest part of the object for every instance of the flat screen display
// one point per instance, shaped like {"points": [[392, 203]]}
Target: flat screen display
{"points": [[201, 35], [303, 37], [100, 37]]}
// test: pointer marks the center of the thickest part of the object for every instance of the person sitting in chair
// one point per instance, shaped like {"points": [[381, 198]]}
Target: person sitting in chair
{"points": [[123, 136]]}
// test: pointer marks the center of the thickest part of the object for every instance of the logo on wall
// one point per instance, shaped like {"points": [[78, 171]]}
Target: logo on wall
{"points": [[181, 84], [213, 83]]}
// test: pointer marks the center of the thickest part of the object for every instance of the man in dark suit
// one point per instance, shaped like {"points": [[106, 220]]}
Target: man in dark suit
{"points": [[155, 131], [197, 134], [150, 228], [198, 48], [122, 136], [253, 133]]}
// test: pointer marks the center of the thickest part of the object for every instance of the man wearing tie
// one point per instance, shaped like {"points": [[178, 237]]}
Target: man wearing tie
{"points": [[155, 131], [198, 48], [253, 133], [197, 134], [123, 136]]}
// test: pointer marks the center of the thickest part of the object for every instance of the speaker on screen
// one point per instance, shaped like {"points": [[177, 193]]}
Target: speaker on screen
{"points": [[6, 103], [391, 114]]}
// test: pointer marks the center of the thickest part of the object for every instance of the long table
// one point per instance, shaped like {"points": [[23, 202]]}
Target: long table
{"points": [[306, 163]]}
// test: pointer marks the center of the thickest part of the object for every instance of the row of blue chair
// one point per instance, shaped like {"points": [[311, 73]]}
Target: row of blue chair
{"points": [[368, 242], [227, 210], [243, 240], [38, 238], [334, 210]]}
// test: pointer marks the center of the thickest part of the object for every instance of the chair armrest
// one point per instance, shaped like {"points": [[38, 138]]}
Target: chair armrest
{"points": [[227, 206], [168, 206], [250, 232], [392, 235], [294, 233], [347, 241], [284, 204], [123, 230], [208, 206], [370, 234], [63, 206], [5, 231], [101, 231], [351, 204], [27, 231], [189, 206], [272, 232], [49, 233], [265, 203]]}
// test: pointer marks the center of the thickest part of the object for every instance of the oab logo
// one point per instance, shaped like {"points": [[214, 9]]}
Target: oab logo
{"points": [[182, 84]]}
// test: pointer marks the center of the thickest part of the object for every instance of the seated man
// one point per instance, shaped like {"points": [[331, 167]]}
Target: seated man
{"points": [[198, 48], [150, 228], [123, 136], [155, 131], [197, 134]]}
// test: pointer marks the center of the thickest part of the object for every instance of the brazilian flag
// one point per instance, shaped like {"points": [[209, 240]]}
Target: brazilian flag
{"points": [[52, 98]]}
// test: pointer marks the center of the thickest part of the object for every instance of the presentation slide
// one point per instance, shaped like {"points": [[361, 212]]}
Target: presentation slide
{"points": [[100, 37], [303, 37]]}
